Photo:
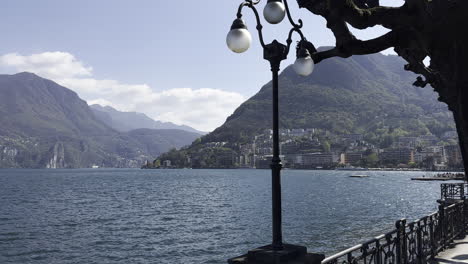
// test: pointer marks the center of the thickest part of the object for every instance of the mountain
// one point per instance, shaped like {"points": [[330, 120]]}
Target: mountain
{"points": [[369, 95], [360, 94], [157, 141], [126, 121], [45, 125]]}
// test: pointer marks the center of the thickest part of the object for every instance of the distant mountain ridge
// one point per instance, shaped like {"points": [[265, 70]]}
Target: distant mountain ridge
{"points": [[45, 125], [368, 95], [126, 121], [361, 94]]}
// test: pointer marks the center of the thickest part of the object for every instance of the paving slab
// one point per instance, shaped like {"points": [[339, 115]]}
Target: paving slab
{"points": [[457, 253]]}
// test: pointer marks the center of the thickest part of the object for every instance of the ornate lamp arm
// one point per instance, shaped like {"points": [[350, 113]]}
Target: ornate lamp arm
{"points": [[296, 26], [251, 4]]}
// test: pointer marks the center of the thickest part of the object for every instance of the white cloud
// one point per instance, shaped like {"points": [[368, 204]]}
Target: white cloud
{"points": [[48, 64], [203, 109]]}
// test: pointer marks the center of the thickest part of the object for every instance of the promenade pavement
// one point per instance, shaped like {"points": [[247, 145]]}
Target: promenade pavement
{"points": [[454, 255]]}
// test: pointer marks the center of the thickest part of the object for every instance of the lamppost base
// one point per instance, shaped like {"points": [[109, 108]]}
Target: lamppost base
{"points": [[290, 254]]}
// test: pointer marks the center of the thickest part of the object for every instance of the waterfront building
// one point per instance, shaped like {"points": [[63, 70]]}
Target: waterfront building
{"points": [[294, 160], [453, 154], [312, 160], [319, 159], [264, 162], [352, 158], [225, 159], [398, 155], [166, 163], [436, 153]]}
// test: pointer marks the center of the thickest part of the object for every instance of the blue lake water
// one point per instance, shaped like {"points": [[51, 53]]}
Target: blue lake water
{"points": [[194, 216]]}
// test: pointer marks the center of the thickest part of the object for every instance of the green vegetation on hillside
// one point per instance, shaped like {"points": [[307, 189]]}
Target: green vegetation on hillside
{"points": [[369, 95]]}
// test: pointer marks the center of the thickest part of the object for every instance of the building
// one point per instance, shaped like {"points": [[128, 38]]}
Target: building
{"points": [[397, 155], [450, 135], [428, 140], [352, 158], [320, 159], [264, 162], [166, 163], [313, 160], [436, 153], [297, 132], [409, 142], [453, 155], [225, 159], [352, 137]]}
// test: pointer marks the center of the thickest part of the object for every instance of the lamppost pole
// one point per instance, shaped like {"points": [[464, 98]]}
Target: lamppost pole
{"points": [[238, 40], [276, 167]]}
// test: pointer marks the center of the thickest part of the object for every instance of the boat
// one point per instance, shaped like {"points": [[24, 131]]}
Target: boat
{"points": [[359, 176], [442, 177], [352, 168]]}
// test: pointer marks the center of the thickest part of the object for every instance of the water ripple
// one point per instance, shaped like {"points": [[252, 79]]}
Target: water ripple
{"points": [[192, 216]]}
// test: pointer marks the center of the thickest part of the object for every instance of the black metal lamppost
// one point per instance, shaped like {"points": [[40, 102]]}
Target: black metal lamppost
{"points": [[239, 40]]}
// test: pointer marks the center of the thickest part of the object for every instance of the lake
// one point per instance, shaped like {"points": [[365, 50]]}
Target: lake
{"points": [[194, 216]]}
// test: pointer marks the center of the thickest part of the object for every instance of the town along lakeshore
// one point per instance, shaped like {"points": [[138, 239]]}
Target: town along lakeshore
{"points": [[311, 148]]}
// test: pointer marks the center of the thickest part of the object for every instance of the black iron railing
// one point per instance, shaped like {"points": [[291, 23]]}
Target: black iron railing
{"points": [[412, 243], [454, 191]]}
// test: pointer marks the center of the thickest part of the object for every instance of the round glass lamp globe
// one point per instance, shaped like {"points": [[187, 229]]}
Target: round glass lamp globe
{"points": [[304, 66], [274, 12], [238, 40]]}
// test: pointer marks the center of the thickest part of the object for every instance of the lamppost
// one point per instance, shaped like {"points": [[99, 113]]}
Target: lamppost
{"points": [[239, 40]]}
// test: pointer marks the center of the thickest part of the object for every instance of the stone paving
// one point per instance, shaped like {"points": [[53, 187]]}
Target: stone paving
{"points": [[458, 253]]}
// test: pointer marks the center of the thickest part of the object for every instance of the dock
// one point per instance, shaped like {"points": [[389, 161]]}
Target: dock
{"points": [[448, 176], [437, 179]]}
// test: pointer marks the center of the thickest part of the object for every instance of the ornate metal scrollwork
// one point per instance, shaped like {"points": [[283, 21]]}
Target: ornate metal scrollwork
{"points": [[409, 243]]}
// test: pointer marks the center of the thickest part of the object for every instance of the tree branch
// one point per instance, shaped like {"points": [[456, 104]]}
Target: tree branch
{"points": [[358, 47], [360, 18]]}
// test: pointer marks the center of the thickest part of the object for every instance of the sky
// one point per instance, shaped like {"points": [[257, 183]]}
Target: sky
{"points": [[167, 59]]}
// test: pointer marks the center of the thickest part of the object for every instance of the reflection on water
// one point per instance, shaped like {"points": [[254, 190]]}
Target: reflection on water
{"points": [[193, 216]]}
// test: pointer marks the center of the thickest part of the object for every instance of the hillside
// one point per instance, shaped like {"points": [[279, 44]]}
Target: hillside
{"points": [[126, 121], [156, 141], [371, 96], [45, 125], [361, 94]]}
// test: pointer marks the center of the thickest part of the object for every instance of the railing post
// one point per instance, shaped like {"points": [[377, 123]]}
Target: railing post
{"points": [[451, 217], [378, 257], [419, 244], [433, 243], [350, 257], [398, 242], [463, 207], [401, 249], [442, 225], [463, 219], [422, 258], [442, 188]]}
